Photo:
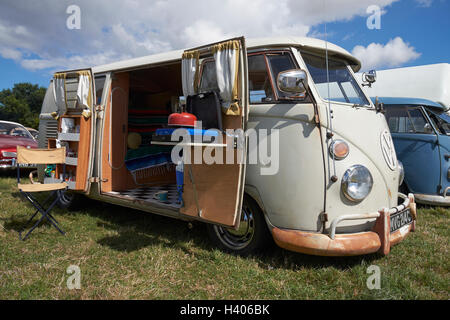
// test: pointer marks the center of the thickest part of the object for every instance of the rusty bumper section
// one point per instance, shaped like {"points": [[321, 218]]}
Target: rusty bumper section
{"points": [[380, 239]]}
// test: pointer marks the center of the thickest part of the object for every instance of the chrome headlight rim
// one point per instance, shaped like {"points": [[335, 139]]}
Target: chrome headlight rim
{"points": [[346, 181]]}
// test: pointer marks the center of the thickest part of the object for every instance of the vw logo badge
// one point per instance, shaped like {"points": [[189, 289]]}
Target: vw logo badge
{"points": [[387, 146]]}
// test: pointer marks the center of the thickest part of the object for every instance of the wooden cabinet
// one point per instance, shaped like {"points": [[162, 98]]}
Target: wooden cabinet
{"points": [[77, 151]]}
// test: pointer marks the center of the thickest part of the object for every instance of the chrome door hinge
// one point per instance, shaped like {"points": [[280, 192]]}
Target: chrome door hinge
{"points": [[99, 110], [97, 180]]}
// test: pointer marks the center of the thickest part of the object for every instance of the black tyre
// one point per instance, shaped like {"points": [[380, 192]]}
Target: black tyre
{"points": [[252, 235], [68, 200], [403, 188]]}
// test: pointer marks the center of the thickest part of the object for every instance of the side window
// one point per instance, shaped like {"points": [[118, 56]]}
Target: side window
{"points": [[208, 81], [418, 121], [99, 85], [278, 63], [406, 120], [263, 70], [259, 80], [439, 122]]}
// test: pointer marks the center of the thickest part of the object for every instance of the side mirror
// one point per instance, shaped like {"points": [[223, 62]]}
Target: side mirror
{"points": [[293, 81], [368, 78]]}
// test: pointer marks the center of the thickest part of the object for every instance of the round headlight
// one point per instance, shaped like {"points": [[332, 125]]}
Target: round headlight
{"points": [[340, 149], [357, 183], [401, 174]]}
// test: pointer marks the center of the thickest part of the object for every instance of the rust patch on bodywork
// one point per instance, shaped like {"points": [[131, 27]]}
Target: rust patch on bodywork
{"points": [[322, 245], [352, 244], [382, 228]]}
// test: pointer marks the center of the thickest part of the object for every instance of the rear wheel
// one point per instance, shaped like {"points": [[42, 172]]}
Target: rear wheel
{"points": [[251, 236], [67, 199]]}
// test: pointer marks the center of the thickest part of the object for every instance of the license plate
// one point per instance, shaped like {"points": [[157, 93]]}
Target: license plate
{"points": [[26, 165], [400, 219]]}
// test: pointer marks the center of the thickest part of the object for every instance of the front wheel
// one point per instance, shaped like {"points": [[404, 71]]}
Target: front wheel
{"points": [[251, 236]]}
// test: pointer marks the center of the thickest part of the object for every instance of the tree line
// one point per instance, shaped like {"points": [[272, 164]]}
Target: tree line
{"points": [[22, 104]]}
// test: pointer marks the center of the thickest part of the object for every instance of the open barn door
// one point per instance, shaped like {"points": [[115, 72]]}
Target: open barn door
{"points": [[215, 88]]}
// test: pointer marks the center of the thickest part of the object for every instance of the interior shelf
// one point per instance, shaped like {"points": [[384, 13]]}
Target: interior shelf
{"points": [[68, 136], [71, 161]]}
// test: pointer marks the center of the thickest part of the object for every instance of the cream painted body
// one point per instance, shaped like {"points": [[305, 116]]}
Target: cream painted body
{"points": [[295, 197]]}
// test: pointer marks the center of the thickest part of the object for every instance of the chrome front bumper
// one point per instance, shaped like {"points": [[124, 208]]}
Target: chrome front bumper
{"points": [[435, 200]]}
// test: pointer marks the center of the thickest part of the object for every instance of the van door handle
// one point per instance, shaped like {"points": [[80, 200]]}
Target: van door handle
{"points": [[447, 156]]}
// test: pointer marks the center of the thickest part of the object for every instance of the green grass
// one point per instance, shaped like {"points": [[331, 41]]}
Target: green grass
{"points": [[127, 254]]}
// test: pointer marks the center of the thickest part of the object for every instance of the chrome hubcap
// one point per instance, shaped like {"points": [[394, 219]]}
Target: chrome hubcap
{"points": [[240, 238]]}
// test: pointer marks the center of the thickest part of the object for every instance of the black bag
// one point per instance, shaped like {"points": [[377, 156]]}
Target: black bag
{"points": [[207, 108]]}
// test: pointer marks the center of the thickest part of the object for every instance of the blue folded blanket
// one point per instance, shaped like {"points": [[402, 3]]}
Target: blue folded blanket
{"points": [[148, 161]]}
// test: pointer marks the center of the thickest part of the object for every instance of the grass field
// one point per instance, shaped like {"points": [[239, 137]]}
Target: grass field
{"points": [[127, 254]]}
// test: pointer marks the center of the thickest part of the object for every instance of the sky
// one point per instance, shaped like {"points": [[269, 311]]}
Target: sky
{"points": [[38, 38]]}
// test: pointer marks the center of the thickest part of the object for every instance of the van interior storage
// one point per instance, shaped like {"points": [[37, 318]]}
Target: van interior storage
{"points": [[139, 103], [140, 110]]}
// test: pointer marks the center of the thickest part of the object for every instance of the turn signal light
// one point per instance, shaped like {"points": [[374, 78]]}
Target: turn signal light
{"points": [[340, 149]]}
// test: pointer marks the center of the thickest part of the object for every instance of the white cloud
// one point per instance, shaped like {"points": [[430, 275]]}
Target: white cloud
{"points": [[36, 35], [394, 53], [424, 3], [9, 53]]}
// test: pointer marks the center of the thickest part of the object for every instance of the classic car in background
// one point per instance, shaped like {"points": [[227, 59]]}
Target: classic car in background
{"points": [[33, 132], [420, 130], [12, 135]]}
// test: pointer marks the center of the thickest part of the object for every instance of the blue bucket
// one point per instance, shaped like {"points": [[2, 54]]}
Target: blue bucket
{"points": [[180, 181]]}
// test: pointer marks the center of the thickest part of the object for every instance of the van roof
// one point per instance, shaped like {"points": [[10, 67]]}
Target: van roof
{"points": [[410, 101], [173, 56]]}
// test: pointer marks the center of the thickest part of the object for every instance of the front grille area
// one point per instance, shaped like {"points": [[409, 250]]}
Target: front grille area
{"points": [[7, 154]]}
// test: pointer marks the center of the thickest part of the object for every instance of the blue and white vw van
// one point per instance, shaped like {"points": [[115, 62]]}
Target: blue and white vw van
{"points": [[420, 129]]}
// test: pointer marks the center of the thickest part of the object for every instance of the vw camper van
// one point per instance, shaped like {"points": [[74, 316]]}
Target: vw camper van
{"points": [[301, 154], [420, 129]]}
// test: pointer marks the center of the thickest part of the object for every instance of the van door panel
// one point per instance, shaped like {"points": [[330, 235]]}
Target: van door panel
{"points": [[113, 171], [214, 193], [216, 187], [85, 144], [419, 154], [415, 148]]}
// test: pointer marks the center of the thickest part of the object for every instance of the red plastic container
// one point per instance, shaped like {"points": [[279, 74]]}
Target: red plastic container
{"points": [[183, 119]]}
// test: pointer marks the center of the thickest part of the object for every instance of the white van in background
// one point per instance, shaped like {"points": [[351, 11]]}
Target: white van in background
{"points": [[430, 82]]}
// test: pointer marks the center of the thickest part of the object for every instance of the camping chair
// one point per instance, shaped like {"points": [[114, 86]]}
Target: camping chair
{"points": [[41, 156]]}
